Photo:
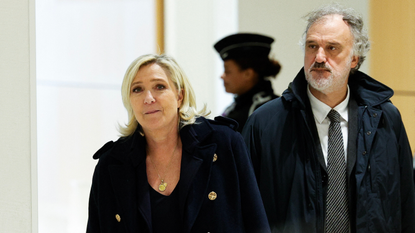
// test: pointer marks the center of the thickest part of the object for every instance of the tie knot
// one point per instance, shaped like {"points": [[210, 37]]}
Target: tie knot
{"points": [[334, 116]]}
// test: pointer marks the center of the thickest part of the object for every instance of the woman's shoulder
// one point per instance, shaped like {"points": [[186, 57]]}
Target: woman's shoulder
{"points": [[225, 122], [220, 130], [113, 147], [206, 129], [104, 149], [219, 123]]}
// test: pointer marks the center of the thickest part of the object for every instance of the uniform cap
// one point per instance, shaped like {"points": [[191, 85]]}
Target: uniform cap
{"points": [[243, 44]]}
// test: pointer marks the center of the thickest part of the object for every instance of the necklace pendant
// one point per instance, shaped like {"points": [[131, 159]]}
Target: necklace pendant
{"points": [[162, 186]]}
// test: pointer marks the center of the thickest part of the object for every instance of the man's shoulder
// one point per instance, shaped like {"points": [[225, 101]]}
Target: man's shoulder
{"points": [[389, 107], [271, 109]]}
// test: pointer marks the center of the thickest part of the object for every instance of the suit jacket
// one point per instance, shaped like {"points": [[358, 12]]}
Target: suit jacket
{"points": [[120, 199]]}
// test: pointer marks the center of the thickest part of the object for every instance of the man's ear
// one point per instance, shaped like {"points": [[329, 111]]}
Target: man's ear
{"points": [[355, 60]]}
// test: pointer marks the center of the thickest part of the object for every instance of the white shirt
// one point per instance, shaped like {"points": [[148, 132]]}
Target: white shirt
{"points": [[320, 111]]}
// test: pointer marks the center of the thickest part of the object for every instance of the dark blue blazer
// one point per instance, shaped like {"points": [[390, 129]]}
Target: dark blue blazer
{"points": [[120, 200]]}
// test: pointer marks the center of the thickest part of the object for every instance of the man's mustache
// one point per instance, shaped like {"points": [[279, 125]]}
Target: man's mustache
{"points": [[321, 65]]}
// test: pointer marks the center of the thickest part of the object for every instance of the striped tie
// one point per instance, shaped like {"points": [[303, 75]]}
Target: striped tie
{"points": [[337, 202]]}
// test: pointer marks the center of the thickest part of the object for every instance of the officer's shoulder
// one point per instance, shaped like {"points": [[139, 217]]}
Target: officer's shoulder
{"points": [[106, 147], [221, 120]]}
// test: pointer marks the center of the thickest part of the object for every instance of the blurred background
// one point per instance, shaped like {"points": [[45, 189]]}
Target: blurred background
{"points": [[79, 51]]}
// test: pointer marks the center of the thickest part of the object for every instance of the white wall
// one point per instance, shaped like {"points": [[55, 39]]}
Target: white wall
{"points": [[18, 187], [83, 51], [283, 21], [192, 28]]}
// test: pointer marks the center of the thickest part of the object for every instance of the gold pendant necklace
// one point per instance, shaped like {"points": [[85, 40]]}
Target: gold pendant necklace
{"points": [[163, 185]]}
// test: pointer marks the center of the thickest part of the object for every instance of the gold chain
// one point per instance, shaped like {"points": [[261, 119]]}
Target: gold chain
{"points": [[163, 185]]}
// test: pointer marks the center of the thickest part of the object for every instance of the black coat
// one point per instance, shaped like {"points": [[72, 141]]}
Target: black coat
{"points": [[285, 148], [120, 185]]}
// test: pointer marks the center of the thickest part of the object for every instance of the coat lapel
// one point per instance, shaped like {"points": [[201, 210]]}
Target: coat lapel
{"points": [[196, 171], [199, 174], [122, 180], [312, 128], [351, 159], [129, 182], [352, 136], [143, 194]]}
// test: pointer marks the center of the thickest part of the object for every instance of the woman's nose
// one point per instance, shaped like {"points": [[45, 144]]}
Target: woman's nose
{"points": [[149, 98], [222, 76]]}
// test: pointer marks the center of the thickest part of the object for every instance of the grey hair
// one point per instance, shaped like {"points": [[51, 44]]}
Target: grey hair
{"points": [[361, 44]]}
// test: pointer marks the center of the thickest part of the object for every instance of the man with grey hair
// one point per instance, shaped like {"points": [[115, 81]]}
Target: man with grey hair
{"points": [[331, 154]]}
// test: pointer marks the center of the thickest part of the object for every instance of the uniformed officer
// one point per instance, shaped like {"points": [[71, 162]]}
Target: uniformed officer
{"points": [[247, 66]]}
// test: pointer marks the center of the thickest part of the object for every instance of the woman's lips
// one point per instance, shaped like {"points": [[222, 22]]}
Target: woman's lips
{"points": [[151, 112]]}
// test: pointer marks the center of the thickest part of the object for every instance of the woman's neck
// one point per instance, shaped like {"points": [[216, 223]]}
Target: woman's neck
{"points": [[162, 143]]}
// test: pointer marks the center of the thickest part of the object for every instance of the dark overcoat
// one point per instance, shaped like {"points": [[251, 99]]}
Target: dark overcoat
{"points": [[285, 148], [120, 200]]}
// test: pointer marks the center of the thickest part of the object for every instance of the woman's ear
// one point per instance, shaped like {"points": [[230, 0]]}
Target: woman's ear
{"points": [[180, 98], [249, 74]]}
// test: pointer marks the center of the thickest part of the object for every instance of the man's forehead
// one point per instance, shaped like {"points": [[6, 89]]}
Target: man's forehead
{"points": [[330, 26], [329, 19]]}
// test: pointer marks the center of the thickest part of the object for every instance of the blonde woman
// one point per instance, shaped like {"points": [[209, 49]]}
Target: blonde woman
{"points": [[172, 170]]}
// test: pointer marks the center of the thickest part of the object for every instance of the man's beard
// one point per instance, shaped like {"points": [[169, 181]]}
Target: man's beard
{"points": [[326, 85]]}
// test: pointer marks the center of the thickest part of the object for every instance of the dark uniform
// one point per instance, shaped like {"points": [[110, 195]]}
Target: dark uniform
{"points": [[244, 105], [253, 46]]}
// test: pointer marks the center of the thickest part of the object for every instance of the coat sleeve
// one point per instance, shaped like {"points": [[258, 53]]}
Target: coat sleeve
{"points": [[251, 138], [93, 225], [407, 179], [254, 216]]}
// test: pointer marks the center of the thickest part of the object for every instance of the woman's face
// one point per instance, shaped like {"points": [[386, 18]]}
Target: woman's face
{"points": [[154, 99], [235, 80]]}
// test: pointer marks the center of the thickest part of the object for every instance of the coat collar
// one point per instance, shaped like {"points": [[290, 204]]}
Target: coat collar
{"points": [[366, 90]]}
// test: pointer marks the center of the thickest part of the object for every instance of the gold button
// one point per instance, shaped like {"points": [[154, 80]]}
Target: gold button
{"points": [[212, 196], [117, 216], [215, 157]]}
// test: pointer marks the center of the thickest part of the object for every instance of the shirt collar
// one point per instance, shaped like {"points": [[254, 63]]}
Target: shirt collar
{"points": [[320, 109]]}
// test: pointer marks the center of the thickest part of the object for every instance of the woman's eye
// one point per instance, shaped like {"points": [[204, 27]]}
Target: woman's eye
{"points": [[160, 87], [137, 89]]}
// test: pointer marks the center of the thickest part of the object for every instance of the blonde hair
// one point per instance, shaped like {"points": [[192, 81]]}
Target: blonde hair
{"points": [[187, 111]]}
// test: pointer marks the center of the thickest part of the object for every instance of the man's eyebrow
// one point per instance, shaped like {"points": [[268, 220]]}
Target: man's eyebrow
{"points": [[310, 41], [328, 43], [334, 43]]}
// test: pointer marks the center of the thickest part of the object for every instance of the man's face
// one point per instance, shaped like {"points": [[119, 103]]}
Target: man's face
{"points": [[329, 54]]}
